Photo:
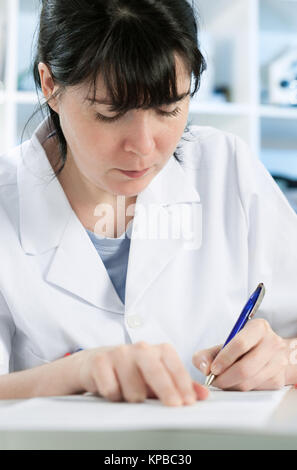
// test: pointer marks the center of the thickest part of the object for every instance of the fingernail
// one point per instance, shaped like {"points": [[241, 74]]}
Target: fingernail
{"points": [[203, 367]]}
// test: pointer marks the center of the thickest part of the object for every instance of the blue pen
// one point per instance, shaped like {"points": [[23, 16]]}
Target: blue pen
{"points": [[247, 314]]}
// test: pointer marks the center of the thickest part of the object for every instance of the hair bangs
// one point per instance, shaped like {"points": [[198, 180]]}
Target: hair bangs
{"points": [[136, 73]]}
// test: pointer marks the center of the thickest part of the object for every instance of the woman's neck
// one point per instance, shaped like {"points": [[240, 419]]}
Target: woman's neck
{"points": [[86, 201]]}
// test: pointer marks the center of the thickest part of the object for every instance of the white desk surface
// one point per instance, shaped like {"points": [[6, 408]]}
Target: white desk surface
{"points": [[279, 432]]}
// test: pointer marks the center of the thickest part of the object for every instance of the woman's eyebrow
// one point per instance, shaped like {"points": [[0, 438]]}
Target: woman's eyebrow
{"points": [[91, 100], [170, 101]]}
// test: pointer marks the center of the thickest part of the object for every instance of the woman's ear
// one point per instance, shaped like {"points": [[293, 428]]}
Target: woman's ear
{"points": [[47, 85]]}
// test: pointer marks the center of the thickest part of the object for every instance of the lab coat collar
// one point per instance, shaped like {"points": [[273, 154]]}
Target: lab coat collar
{"points": [[48, 221], [44, 207]]}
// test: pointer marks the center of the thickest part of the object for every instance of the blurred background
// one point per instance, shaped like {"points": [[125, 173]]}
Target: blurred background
{"points": [[250, 87]]}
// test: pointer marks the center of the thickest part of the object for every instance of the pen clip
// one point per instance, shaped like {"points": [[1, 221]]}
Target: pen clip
{"points": [[258, 303]]}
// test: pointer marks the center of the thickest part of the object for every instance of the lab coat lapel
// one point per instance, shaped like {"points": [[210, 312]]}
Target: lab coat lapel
{"points": [[78, 268], [48, 222], [169, 198]]}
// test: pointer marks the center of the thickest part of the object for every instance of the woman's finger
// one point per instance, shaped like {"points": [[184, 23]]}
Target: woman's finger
{"points": [[241, 344], [179, 374], [204, 358], [271, 377], [106, 380], [248, 366], [157, 376], [132, 383], [202, 393]]}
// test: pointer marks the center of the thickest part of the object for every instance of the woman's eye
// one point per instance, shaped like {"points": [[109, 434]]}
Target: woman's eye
{"points": [[100, 117], [173, 113]]}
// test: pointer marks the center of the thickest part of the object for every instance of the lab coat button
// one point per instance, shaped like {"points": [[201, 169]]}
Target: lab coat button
{"points": [[134, 321]]}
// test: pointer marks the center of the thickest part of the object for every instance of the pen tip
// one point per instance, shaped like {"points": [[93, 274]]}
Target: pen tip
{"points": [[209, 380]]}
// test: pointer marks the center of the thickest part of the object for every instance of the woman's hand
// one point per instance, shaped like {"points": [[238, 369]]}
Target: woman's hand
{"points": [[256, 359], [135, 372]]}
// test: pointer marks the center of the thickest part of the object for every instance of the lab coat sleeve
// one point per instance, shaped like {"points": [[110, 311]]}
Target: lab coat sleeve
{"points": [[271, 240], [6, 333]]}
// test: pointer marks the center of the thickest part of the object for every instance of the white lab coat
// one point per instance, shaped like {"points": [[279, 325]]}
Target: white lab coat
{"points": [[56, 295]]}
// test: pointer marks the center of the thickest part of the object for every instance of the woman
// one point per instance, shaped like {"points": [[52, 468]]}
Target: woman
{"points": [[126, 245]]}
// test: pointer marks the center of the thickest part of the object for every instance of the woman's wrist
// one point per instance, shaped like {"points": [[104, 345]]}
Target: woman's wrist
{"points": [[60, 377], [56, 378], [73, 367]]}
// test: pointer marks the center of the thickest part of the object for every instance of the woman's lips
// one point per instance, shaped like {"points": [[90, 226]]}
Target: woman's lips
{"points": [[134, 174]]}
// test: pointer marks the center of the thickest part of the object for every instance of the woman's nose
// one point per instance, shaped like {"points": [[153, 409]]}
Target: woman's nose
{"points": [[140, 138]]}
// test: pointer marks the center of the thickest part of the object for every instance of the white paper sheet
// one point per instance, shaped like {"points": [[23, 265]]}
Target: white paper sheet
{"points": [[222, 410]]}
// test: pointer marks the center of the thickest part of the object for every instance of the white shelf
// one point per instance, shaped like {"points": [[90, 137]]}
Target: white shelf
{"points": [[278, 112], [238, 38], [223, 109]]}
